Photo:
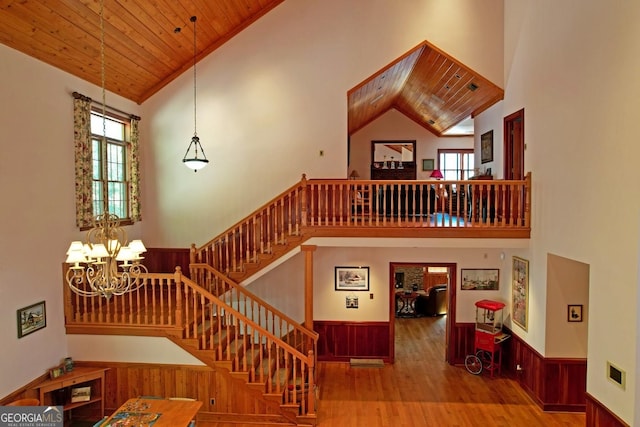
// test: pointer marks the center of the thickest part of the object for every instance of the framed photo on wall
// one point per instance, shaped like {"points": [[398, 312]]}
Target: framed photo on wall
{"points": [[31, 318], [574, 313], [428, 164], [352, 278], [480, 279], [486, 147], [520, 292]]}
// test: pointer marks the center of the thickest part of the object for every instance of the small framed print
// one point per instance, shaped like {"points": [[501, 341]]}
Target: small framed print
{"points": [[574, 313], [428, 164], [31, 318], [352, 301]]}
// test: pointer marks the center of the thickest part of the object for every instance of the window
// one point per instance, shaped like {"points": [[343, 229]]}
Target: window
{"points": [[107, 162], [110, 164], [456, 164]]}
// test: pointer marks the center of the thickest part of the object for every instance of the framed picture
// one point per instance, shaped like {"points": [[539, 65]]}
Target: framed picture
{"points": [[56, 372], [574, 313], [428, 164], [352, 278], [520, 292], [352, 301], [480, 279], [486, 147], [31, 318]]}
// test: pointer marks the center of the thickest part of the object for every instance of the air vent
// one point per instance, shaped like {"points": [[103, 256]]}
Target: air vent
{"points": [[472, 87], [616, 375]]}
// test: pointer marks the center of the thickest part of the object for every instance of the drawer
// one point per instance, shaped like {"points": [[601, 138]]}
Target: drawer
{"points": [[77, 380]]}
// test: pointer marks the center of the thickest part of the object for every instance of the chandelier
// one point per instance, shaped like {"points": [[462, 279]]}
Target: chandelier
{"points": [[95, 268], [191, 160]]}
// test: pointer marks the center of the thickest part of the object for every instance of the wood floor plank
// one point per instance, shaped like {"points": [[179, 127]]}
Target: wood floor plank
{"points": [[421, 390]]}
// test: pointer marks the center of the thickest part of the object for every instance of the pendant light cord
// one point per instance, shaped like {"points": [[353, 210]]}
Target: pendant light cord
{"points": [[195, 131]]}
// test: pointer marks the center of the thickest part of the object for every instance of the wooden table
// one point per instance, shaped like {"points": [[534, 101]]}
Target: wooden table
{"points": [[154, 413]]}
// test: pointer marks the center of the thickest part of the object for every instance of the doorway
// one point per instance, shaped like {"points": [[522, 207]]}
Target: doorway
{"points": [[404, 275], [514, 146]]}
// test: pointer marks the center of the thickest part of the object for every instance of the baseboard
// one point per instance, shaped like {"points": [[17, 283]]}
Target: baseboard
{"points": [[206, 418]]}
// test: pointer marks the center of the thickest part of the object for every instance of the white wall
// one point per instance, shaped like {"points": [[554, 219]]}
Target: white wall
{"points": [[572, 66], [275, 95], [37, 221]]}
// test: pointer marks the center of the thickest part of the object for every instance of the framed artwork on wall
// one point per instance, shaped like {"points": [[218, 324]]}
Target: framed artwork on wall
{"points": [[480, 279], [486, 147], [520, 292], [31, 318], [352, 278], [428, 164], [574, 313]]}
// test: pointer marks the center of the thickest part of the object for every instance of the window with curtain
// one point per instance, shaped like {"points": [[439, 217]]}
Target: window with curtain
{"points": [[109, 158], [456, 164], [106, 162]]}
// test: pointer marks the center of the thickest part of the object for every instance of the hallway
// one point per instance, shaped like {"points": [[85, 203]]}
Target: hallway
{"points": [[420, 389]]}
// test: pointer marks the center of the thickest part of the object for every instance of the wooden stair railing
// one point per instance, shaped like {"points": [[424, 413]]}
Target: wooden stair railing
{"points": [[213, 331], [342, 207], [254, 308]]}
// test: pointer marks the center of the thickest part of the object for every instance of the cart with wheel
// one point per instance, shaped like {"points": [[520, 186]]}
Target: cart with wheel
{"points": [[487, 348]]}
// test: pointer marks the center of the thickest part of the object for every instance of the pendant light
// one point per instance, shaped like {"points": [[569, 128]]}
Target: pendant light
{"points": [[191, 159]]}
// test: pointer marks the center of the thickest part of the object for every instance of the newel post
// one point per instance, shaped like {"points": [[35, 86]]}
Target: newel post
{"points": [[303, 200], [177, 277], [311, 392]]}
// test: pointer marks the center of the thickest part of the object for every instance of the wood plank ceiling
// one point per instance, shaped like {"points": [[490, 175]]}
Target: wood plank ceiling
{"points": [[144, 53], [428, 86]]}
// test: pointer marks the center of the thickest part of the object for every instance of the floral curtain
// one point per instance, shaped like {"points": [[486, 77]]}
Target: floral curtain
{"points": [[135, 170], [84, 163], [83, 159]]}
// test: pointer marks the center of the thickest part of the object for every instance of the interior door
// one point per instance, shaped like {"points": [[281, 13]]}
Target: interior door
{"points": [[514, 164], [514, 145]]}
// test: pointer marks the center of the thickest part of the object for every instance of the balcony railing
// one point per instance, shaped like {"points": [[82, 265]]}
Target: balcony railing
{"points": [[372, 208]]}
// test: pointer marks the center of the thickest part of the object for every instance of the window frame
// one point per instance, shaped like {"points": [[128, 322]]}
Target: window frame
{"points": [[125, 144], [461, 152]]}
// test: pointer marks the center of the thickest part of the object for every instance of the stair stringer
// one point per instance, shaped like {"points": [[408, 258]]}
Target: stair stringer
{"points": [[288, 412]]}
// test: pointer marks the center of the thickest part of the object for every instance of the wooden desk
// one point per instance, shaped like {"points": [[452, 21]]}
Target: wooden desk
{"points": [[57, 391], [156, 412]]}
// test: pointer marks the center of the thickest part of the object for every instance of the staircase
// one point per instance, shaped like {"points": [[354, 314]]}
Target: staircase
{"points": [[222, 325], [218, 321]]}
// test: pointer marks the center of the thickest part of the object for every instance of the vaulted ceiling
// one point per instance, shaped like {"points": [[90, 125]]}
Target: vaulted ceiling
{"points": [[144, 52]]}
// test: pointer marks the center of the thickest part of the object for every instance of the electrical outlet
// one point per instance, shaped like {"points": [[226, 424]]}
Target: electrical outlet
{"points": [[321, 153], [370, 296], [212, 401]]}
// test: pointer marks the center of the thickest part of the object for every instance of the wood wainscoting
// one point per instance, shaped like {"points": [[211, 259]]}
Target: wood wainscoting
{"points": [[341, 341], [165, 260], [555, 384], [224, 398], [599, 416]]}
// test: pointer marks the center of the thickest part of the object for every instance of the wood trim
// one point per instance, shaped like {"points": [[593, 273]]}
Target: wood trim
{"points": [[165, 260], [555, 384], [599, 415], [340, 341]]}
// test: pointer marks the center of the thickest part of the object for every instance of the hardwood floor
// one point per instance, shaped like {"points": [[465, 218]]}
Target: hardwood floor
{"points": [[421, 390]]}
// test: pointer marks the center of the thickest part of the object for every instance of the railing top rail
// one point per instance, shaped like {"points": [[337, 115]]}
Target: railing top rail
{"points": [[311, 334], [194, 286], [418, 181]]}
